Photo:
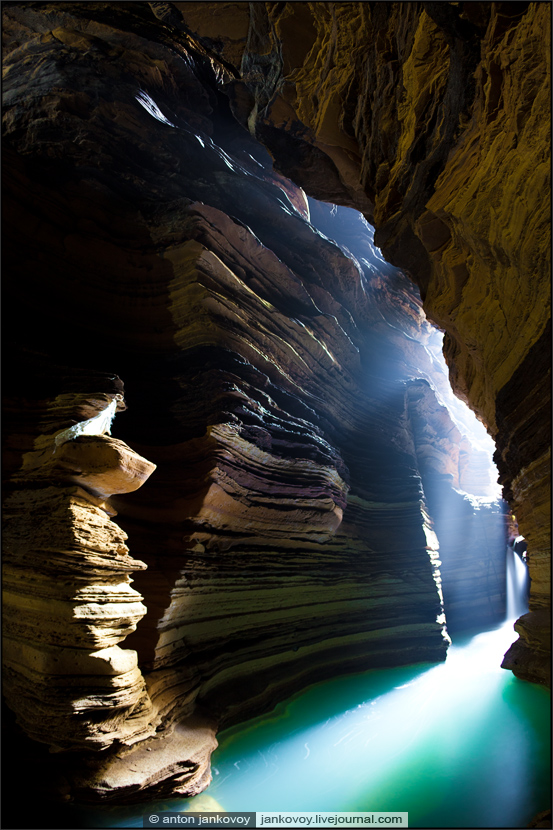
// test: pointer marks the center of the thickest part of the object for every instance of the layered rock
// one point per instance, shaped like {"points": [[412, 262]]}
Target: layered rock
{"points": [[434, 120], [67, 595], [528, 656], [286, 532], [68, 603], [453, 454], [284, 529]]}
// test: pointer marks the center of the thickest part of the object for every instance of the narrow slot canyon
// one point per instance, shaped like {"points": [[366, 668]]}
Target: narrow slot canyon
{"points": [[277, 379]]}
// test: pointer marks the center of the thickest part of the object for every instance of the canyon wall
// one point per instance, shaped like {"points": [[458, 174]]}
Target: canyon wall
{"points": [[433, 119], [282, 389]]}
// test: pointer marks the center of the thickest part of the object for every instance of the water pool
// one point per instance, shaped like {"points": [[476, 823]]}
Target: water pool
{"points": [[461, 744]]}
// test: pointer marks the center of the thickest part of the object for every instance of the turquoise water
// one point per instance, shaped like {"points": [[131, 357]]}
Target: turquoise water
{"points": [[461, 744]]}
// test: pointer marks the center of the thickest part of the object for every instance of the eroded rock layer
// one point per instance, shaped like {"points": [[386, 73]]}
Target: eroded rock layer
{"points": [[286, 530], [433, 119], [66, 588]]}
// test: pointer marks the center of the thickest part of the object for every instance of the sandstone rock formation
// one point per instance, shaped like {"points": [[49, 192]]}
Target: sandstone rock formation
{"points": [[68, 602], [286, 391], [433, 119], [67, 594]]}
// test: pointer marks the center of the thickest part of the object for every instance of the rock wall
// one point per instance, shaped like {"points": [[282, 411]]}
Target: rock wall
{"points": [[433, 119], [471, 529], [285, 531]]}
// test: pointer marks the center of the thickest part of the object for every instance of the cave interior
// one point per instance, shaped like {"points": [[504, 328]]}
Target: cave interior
{"points": [[277, 288]]}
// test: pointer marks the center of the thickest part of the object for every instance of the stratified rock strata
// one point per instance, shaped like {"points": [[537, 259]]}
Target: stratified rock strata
{"points": [[271, 376], [67, 596], [433, 119]]}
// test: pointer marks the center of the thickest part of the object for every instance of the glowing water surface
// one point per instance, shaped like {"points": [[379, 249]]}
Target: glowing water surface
{"points": [[460, 744]]}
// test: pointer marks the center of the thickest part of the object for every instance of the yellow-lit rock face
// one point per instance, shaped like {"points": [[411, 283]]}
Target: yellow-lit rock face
{"points": [[492, 251], [102, 465], [435, 122], [67, 595], [68, 604]]}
